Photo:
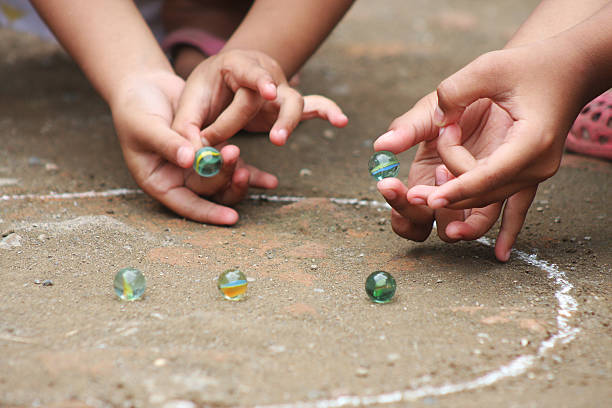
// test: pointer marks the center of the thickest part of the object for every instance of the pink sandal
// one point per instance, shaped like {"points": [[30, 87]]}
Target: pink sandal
{"points": [[207, 43], [591, 133]]}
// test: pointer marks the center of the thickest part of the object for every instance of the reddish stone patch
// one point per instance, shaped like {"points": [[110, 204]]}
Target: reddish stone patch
{"points": [[69, 404], [173, 256], [299, 309], [467, 309], [300, 277], [310, 250], [308, 204], [499, 318], [457, 21], [398, 263], [532, 325], [87, 362], [357, 234], [376, 50], [212, 237]]}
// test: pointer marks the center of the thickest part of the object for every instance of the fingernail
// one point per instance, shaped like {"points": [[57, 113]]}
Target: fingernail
{"points": [[204, 141], [417, 201], [270, 88], [438, 116], [386, 137], [282, 134], [441, 177], [507, 254], [183, 155], [389, 194], [439, 203], [442, 129]]}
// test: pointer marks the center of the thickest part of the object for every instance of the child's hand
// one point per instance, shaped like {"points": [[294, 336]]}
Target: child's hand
{"points": [[160, 159], [509, 112], [413, 220], [237, 90]]}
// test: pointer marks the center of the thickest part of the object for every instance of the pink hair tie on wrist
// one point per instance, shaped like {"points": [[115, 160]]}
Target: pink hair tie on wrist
{"points": [[207, 43]]}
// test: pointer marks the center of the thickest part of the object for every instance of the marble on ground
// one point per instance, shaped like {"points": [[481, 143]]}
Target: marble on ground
{"points": [[307, 331]]}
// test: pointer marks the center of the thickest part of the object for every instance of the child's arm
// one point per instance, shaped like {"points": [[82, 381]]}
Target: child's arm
{"points": [[289, 31], [500, 151], [116, 50]]}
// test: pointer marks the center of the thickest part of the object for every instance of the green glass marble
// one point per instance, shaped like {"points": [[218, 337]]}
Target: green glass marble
{"points": [[383, 164], [129, 284], [380, 287], [208, 161], [232, 284]]}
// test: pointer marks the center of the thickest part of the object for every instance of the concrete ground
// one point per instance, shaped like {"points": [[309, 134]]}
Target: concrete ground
{"points": [[463, 329]]}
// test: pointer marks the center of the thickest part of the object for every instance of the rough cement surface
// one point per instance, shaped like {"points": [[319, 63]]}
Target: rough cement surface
{"points": [[307, 332]]}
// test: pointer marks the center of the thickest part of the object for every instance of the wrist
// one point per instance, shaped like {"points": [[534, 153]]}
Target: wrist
{"points": [[123, 88]]}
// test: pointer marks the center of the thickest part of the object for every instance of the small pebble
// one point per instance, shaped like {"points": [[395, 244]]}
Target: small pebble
{"points": [[34, 161], [305, 172], [278, 348], [313, 266], [47, 282], [179, 404], [51, 167], [328, 134], [8, 182], [524, 342], [160, 362], [11, 240], [392, 358], [540, 209], [557, 220], [361, 372], [587, 238]]}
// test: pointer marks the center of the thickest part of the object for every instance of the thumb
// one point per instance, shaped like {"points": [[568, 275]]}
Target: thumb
{"points": [[485, 77], [154, 135]]}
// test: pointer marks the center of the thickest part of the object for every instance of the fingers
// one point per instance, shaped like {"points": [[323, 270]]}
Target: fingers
{"points": [[242, 109], [261, 179], [445, 216], [208, 186], [476, 224], [317, 106], [408, 221], [187, 204], [289, 115], [455, 157], [515, 212], [479, 79], [295, 108], [154, 135], [502, 167], [242, 71], [193, 110], [237, 189], [411, 128]]}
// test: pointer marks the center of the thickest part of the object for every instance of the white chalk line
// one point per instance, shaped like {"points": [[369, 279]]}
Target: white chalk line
{"points": [[518, 366], [71, 196], [127, 191]]}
